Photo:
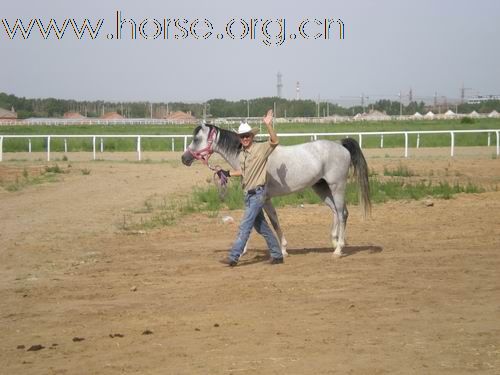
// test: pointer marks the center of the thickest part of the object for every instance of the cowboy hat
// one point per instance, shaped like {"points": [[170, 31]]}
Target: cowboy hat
{"points": [[244, 128]]}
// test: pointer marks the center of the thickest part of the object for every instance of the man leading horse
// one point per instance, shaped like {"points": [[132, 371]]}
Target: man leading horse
{"points": [[253, 171]]}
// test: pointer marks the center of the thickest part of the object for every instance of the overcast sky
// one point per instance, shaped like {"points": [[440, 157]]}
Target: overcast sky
{"points": [[388, 47]]}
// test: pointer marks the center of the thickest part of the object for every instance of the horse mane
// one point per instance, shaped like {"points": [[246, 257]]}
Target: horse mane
{"points": [[228, 142]]}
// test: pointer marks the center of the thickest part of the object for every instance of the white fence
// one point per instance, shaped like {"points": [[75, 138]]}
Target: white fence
{"points": [[312, 136]]}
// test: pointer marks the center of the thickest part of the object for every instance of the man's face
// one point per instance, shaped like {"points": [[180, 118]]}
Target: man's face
{"points": [[246, 139]]}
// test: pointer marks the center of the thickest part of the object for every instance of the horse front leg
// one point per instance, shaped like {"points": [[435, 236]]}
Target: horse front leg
{"points": [[273, 217]]}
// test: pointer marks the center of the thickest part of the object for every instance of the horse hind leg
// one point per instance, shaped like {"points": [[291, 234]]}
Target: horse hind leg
{"points": [[244, 249], [273, 218], [342, 214], [323, 191]]}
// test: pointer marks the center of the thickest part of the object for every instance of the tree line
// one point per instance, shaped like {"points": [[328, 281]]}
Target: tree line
{"points": [[51, 107]]}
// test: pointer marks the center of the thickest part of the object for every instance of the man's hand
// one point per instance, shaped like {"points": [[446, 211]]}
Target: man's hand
{"points": [[268, 119], [223, 172]]}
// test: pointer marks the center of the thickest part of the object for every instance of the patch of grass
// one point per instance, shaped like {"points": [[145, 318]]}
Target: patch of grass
{"points": [[54, 169], [399, 189], [400, 171], [207, 200], [26, 180], [14, 186]]}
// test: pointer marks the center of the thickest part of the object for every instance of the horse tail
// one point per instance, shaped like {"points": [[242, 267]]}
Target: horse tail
{"points": [[358, 162]]}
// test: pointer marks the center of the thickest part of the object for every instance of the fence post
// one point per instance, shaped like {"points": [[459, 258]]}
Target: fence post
{"points": [[489, 139], [406, 145], [29, 145], [360, 140], [418, 140], [173, 144], [102, 146], [139, 148], [185, 142], [93, 147], [452, 152], [381, 141], [48, 148], [65, 146], [1, 148], [315, 137], [498, 142]]}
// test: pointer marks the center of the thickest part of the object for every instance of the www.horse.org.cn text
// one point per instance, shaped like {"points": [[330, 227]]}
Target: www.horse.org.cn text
{"points": [[270, 31]]}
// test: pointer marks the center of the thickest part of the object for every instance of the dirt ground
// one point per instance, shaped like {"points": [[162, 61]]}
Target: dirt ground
{"points": [[417, 293]]}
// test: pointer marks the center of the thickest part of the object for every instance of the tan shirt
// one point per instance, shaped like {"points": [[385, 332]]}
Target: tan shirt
{"points": [[253, 163]]}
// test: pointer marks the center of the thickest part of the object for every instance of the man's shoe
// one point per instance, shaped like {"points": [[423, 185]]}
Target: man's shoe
{"points": [[229, 262], [276, 261]]}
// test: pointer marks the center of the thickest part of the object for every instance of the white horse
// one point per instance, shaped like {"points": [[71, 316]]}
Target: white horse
{"points": [[322, 165]]}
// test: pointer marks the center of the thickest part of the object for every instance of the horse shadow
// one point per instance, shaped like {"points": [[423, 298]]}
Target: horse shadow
{"points": [[262, 255], [347, 250]]}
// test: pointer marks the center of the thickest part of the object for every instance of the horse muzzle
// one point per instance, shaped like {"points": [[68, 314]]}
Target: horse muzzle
{"points": [[187, 158]]}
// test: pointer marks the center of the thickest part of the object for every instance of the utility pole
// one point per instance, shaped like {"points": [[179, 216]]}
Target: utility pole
{"points": [[462, 93], [279, 85], [400, 105], [248, 109]]}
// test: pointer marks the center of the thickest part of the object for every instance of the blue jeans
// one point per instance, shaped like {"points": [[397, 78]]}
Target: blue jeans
{"points": [[254, 217]]}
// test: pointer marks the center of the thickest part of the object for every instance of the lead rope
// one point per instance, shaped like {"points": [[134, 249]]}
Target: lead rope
{"points": [[220, 181]]}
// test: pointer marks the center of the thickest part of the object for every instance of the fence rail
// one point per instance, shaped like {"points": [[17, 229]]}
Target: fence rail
{"points": [[312, 136]]}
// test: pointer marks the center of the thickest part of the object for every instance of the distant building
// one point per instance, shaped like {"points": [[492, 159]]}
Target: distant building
{"points": [[449, 114], [372, 115], [494, 114], [429, 115], [5, 114], [73, 116], [181, 116], [482, 98], [112, 116]]}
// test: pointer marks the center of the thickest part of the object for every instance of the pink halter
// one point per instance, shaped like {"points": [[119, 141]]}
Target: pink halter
{"points": [[205, 153]]}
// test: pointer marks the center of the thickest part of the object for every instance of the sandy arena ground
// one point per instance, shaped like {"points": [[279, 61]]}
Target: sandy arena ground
{"points": [[417, 293]]}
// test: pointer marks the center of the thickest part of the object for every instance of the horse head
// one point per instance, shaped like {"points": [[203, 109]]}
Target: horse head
{"points": [[201, 147]]}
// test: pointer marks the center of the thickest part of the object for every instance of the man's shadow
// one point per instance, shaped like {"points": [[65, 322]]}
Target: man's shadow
{"points": [[262, 255]]}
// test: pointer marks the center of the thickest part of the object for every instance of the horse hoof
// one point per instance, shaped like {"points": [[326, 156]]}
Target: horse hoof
{"points": [[336, 255], [284, 253]]}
